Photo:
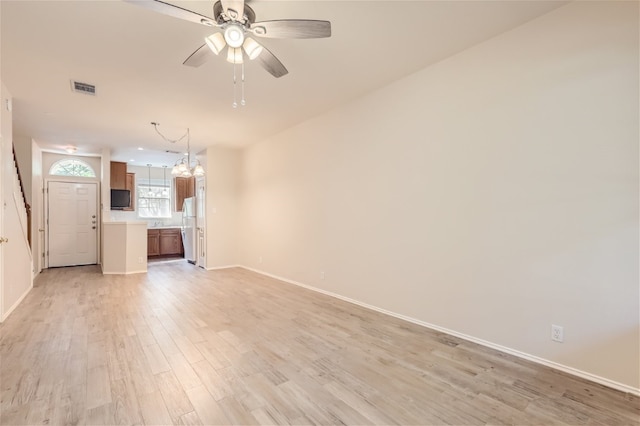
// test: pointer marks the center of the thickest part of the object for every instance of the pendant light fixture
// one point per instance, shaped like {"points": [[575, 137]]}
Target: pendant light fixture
{"points": [[165, 192], [183, 167], [150, 192]]}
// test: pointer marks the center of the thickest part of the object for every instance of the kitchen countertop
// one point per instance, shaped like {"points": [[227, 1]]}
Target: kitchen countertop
{"points": [[124, 222]]}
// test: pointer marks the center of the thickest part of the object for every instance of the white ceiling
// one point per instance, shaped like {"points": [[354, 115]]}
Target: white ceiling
{"points": [[134, 56]]}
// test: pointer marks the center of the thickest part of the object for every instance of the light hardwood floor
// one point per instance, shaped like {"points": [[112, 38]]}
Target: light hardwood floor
{"points": [[185, 346]]}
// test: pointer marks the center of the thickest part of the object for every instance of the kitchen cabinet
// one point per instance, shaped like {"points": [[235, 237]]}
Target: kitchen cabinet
{"points": [[130, 184], [118, 175], [170, 242], [164, 242], [185, 188], [153, 242]]}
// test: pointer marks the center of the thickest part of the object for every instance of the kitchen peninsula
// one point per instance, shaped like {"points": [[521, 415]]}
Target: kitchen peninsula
{"points": [[125, 247]]}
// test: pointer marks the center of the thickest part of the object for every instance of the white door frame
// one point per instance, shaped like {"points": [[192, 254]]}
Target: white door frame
{"points": [[45, 212], [201, 223], [42, 229]]}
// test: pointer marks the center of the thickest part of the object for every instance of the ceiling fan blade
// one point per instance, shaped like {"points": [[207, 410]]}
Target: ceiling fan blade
{"points": [[272, 64], [199, 57], [175, 11], [234, 9], [292, 28]]}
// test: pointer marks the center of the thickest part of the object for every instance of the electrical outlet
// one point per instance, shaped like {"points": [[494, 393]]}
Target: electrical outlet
{"points": [[557, 333], [322, 275], [260, 259], [141, 260]]}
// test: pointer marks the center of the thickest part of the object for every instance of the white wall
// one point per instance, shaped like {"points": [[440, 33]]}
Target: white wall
{"points": [[105, 188], [492, 194], [222, 167], [15, 265]]}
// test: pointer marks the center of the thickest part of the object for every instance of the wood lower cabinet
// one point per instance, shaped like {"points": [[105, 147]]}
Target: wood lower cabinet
{"points": [[153, 242], [164, 242], [170, 241]]}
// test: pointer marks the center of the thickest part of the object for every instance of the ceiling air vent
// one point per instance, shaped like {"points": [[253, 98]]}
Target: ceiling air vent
{"points": [[171, 152], [86, 88]]}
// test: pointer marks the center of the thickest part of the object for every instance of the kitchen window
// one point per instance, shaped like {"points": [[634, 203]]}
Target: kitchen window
{"points": [[154, 201]]}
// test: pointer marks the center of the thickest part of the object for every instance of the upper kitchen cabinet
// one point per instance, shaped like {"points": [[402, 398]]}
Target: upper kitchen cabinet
{"points": [[120, 179], [185, 188], [118, 175]]}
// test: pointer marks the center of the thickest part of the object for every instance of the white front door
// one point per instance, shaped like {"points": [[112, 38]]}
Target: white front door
{"points": [[200, 224], [72, 213]]}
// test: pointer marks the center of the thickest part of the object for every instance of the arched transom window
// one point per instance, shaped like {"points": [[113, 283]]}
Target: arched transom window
{"points": [[72, 167]]}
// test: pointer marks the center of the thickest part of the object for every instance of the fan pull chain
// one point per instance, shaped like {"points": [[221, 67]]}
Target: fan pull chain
{"points": [[235, 104], [242, 101]]}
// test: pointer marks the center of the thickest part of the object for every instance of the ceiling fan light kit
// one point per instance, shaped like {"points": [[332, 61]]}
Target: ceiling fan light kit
{"points": [[215, 42], [236, 19], [234, 56], [252, 48], [234, 35]]}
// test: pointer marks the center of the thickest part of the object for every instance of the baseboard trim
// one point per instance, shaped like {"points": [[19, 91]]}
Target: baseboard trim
{"points": [[564, 368], [15, 305], [144, 271], [215, 268]]}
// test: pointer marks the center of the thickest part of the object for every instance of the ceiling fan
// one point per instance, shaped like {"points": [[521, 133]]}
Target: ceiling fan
{"points": [[236, 21]]}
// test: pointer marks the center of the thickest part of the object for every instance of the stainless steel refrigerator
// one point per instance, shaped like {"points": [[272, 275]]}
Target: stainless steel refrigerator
{"points": [[189, 229]]}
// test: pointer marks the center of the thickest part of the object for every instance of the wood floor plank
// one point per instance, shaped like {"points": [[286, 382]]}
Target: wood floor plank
{"points": [[268, 416], [125, 402], [310, 403], [138, 367], [96, 354], [180, 345], [358, 403], [175, 399], [72, 406], [188, 349], [212, 355], [156, 359], [15, 415], [166, 343], [190, 419], [153, 409], [184, 371], [236, 413], [98, 387], [209, 412], [43, 410], [216, 385], [101, 415]]}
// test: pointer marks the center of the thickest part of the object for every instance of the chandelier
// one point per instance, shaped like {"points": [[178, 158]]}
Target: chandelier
{"points": [[183, 167]]}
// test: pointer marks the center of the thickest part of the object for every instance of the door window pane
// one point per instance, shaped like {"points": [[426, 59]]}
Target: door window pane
{"points": [[71, 167]]}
